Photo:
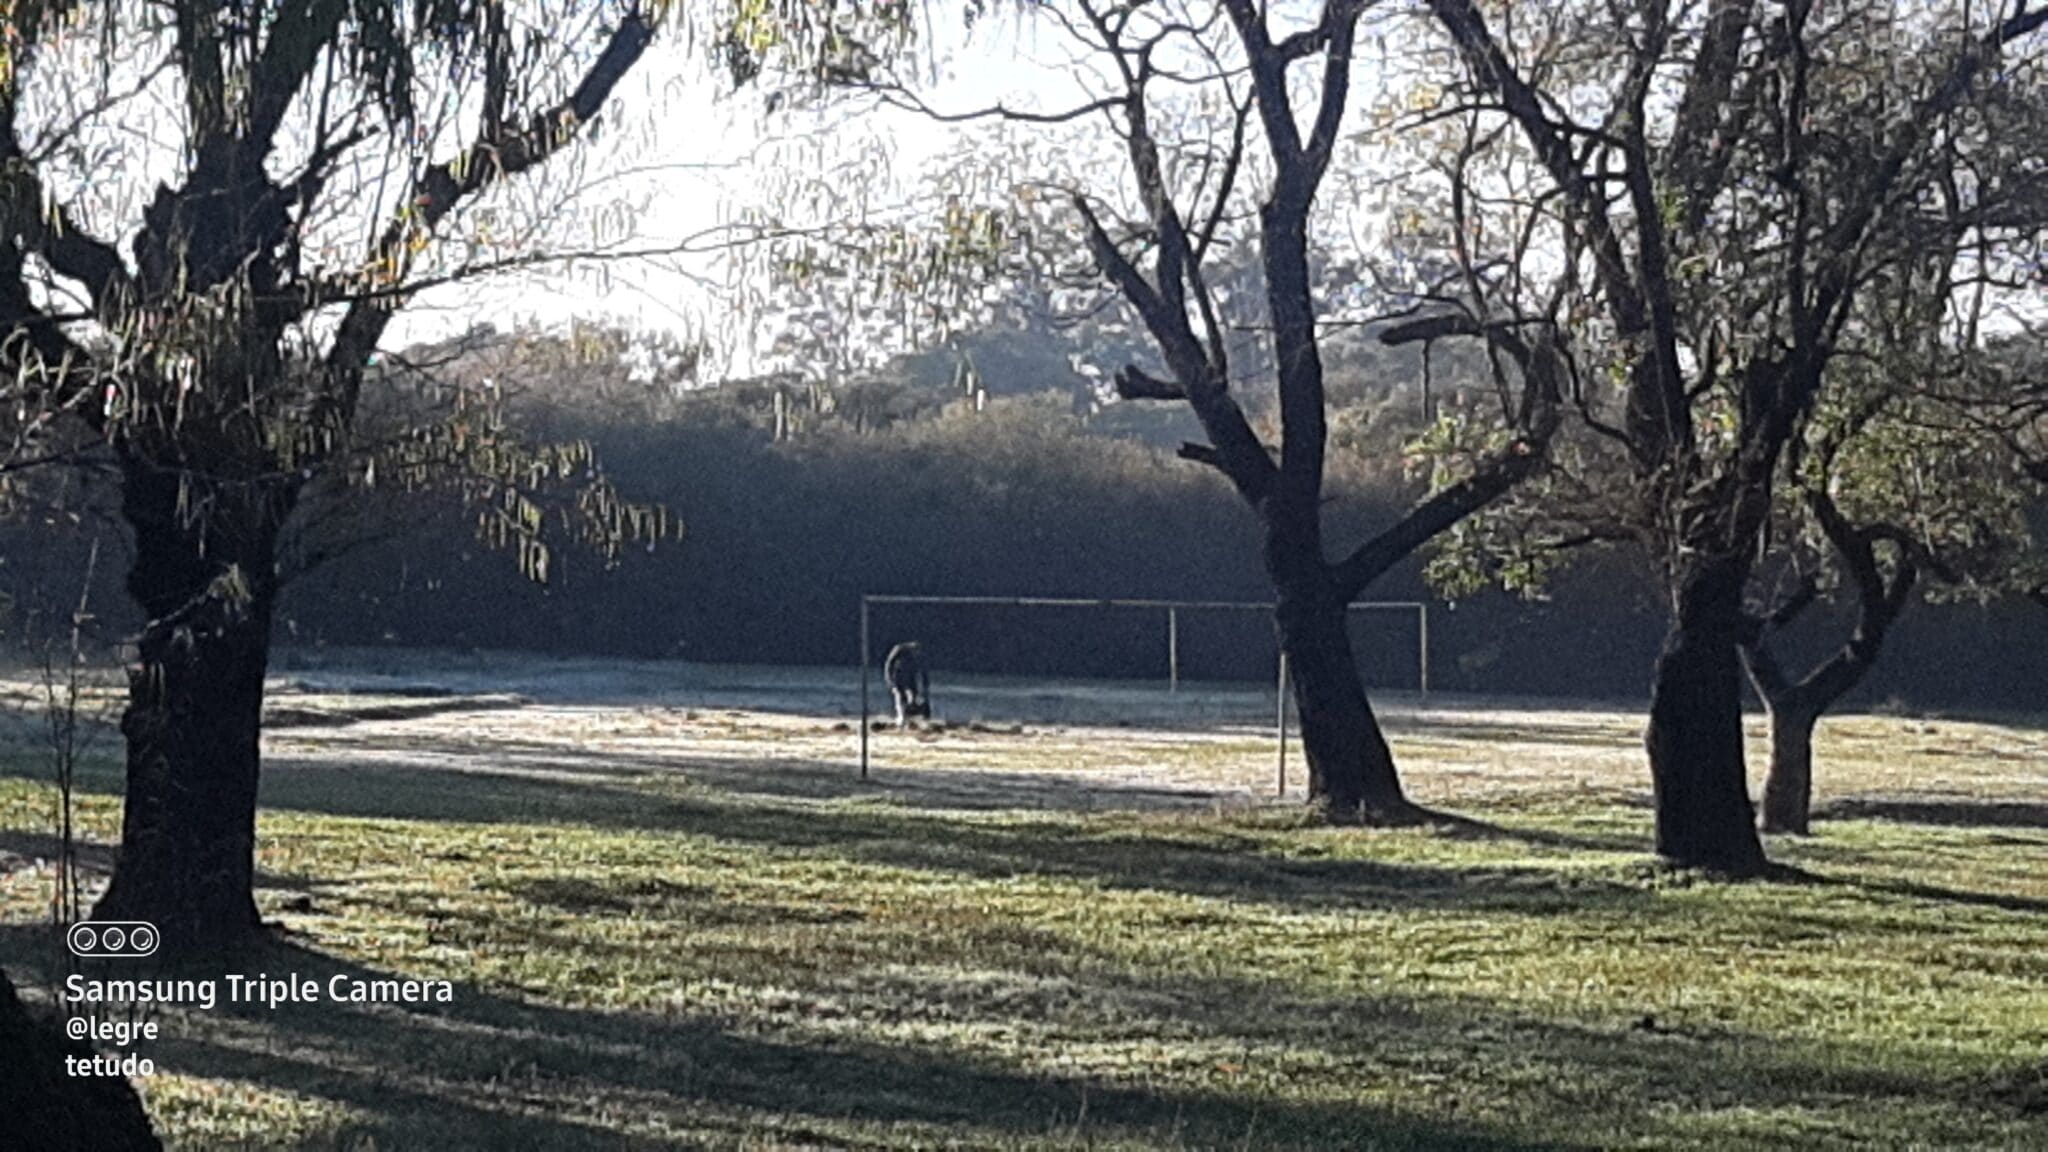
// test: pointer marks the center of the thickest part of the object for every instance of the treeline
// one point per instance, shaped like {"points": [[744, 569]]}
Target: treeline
{"points": [[1013, 491], [1000, 488]]}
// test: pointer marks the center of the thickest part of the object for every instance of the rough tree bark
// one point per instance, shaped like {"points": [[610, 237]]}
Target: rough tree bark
{"points": [[1350, 767], [1788, 781], [211, 473], [1351, 771], [1644, 206], [193, 724], [1694, 738]]}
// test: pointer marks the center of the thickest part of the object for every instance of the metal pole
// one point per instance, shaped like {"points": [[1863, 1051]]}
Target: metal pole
{"points": [[864, 662], [1283, 725], [1422, 648], [1173, 649]]}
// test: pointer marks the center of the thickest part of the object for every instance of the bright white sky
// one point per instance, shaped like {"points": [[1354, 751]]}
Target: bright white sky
{"points": [[678, 155], [684, 158], [693, 155]]}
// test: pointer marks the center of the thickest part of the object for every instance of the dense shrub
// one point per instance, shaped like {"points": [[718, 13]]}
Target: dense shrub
{"points": [[1014, 491]]}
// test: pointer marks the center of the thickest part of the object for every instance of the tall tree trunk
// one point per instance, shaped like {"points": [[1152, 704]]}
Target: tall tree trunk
{"points": [[1350, 768], [204, 576], [1788, 785], [1704, 818]]}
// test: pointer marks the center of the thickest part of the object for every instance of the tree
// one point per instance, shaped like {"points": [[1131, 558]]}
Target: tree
{"points": [[1888, 498], [1249, 173], [220, 359], [1729, 182], [321, 155], [2008, 396]]}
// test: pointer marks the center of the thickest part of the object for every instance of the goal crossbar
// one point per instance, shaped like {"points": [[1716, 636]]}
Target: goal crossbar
{"points": [[1172, 608]]}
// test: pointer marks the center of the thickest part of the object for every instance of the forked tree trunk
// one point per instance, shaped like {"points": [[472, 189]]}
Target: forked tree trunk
{"points": [[1704, 818], [1795, 706], [1350, 768], [1788, 785], [204, 576]]}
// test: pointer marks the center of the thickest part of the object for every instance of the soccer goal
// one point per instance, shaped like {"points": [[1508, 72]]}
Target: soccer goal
{"points": [[1169, 615]]}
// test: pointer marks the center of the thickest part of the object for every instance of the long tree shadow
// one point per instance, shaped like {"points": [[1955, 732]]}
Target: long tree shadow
{"points": [[489, 1071], [1911, 890], [1163, 853], [1208, 859], [805, 778], [91, 856], [437, 750], [1943, 812], [95, 862], [765, 775], [1460, 826]]}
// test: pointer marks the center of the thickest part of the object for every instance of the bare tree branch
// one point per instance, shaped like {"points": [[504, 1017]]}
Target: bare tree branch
{"points": [[440, 188]]}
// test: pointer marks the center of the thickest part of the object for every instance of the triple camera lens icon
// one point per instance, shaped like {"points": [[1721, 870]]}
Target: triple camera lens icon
{"points": [[112, 939]]}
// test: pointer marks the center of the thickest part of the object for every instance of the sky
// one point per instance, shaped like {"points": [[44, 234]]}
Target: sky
{"points": [[690, 155], [679, 154], [676, 154]]}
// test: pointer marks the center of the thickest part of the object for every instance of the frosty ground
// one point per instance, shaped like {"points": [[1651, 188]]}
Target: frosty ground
{"points": [[1071, 915]]}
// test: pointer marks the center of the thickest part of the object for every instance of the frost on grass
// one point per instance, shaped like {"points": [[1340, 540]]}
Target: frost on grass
{"points": [[674, 915]]}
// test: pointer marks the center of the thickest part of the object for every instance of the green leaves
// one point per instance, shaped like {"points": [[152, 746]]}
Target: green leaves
{"points": [[824, 41]]}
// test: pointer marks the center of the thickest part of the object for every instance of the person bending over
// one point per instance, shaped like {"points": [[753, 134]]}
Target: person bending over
{"points": [[912, 689]]}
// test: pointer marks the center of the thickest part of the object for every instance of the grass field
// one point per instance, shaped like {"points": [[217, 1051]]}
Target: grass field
{"points": [[675, 921]]}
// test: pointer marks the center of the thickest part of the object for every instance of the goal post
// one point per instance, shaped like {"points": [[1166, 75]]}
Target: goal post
{"points": [[1172, 610]]}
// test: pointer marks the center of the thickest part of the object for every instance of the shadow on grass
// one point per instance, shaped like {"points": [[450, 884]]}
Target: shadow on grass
{"points": [[809, 778], [1470, 828], [1945, 813], [608, 791], [495, 1071], [95, 860], [1912, 890], [1161, 852], [489, 1071], [1164, 853], [766, 775], [93, 857]]}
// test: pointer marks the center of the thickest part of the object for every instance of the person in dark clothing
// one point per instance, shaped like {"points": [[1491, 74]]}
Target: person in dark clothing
{"points": [[908, 683]]}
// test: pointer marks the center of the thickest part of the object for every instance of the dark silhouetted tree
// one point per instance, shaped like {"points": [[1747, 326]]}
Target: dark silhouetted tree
{"points": [[1735, 185], [218, 353], [1229, 119]]}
